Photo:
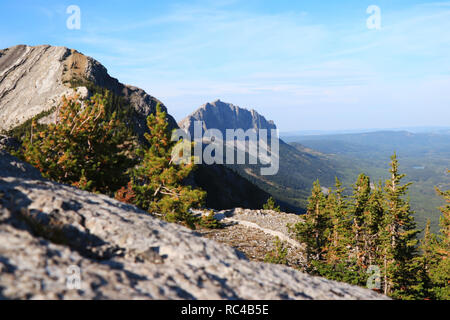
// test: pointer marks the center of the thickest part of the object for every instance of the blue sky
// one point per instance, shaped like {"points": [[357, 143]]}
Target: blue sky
{"points": [[308, 65]]}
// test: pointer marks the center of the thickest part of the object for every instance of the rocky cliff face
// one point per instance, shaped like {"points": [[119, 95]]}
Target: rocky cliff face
{"points": [[221, 115], [53, 235], [33, 80]]}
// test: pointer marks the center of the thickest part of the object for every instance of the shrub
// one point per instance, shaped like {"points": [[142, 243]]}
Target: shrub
{"points": [[210, 222], [86, 147], [271, 205], [279, 254]]}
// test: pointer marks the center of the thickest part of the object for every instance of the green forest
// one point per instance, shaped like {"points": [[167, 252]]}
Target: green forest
{"points": [[370, 238], [423, 157]]}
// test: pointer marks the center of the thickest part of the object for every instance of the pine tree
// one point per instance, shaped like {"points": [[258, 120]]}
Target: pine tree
{"points": [[340, 236], [314, 232], [376, 228], [279, 254], [434, 276], [338, 263], [440, 272], [87, 147], [427, 262], [374, 225], [271, 205], [398, 237], [157, 183], [360, 213]]}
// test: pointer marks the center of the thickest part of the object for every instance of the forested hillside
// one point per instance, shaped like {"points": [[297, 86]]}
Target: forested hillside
{"points": [[423, 157], [369, 237]]}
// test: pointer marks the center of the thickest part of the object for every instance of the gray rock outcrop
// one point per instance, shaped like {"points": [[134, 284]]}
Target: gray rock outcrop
{"points": [[49, 232], [221, 115], [8, 143], [33, 80]]}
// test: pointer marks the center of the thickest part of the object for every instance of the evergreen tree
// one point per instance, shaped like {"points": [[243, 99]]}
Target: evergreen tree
{"points": [[209, 221], [376, 228], [87, 147], [271, 205], [360, 213], [434, 276], [314, 232], [440, 271], [157, 183], [340, 236], [338, 263], [398, 237], [279, 254], [374, 225], [427, 262]]}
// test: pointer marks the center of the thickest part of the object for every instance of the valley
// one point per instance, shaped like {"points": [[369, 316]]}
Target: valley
{"points": [[424, 157]]}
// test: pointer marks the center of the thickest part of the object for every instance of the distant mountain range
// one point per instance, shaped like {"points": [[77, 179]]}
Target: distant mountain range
{"points": [[423, 156], [290, 135], [387, 142]]}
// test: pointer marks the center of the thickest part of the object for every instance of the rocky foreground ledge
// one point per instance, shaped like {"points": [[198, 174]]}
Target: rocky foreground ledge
{"points": [[49, 230]]}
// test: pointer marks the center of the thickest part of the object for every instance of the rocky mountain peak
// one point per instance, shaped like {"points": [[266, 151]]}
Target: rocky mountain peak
{"points": [[222, 115], [34, 78]]}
